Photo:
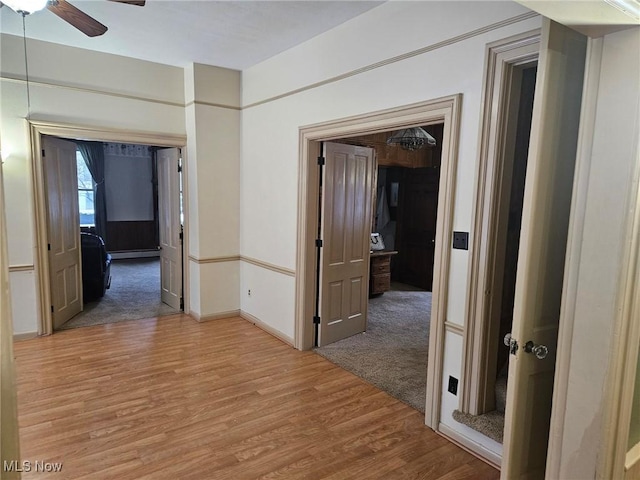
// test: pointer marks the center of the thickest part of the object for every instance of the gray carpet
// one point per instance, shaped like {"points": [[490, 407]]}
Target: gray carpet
{"points": [[392, 353], [134, 294], [491, 423]]}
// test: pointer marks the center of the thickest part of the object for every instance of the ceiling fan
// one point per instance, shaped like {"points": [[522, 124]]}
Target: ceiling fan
{"points": [[66, 11]]}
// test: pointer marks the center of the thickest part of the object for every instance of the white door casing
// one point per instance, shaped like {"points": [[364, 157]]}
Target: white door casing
{"points": [[63, 229], [170, 226], [543, 241]]}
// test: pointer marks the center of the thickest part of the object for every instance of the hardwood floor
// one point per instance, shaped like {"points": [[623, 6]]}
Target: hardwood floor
{"points": [[173, 398]]}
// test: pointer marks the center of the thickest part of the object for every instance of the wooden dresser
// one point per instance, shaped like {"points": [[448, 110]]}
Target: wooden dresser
{"points": [[380, 271]]}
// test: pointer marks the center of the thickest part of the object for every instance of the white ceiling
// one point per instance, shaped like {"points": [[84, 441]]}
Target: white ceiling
{"points": [[232, 34]]}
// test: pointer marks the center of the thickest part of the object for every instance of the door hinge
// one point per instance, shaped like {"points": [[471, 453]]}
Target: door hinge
{"points": [[316, 320], [51, 308], [179, 168], [320, 161], [43, 152], [49, 246], [318, 242], [181, 235]]}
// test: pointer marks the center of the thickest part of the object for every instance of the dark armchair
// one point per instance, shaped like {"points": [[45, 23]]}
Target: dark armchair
{"points": [[96, 267]]}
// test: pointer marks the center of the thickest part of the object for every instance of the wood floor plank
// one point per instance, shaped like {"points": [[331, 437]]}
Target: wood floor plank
{"points": [[177, 399]]}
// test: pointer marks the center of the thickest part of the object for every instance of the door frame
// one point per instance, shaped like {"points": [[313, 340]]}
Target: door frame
{"points": [[441, 110], [101, 134], [502, 59]]}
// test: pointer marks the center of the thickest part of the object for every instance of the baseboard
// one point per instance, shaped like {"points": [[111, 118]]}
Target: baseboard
{"points": [[215, 316], [633, 457], [140, 254], [472, 447], [17, 337], [263, 326]]}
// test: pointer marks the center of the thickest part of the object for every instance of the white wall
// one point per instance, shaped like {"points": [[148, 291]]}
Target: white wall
{"points": [[456, 35], [72, 86], [212, 120], [612, 167]]}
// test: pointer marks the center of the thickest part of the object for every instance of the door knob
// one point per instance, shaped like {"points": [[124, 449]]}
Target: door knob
{"points": [[540, 351], [512, 343]]}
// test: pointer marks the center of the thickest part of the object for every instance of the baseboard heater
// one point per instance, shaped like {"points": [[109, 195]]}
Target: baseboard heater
{"points": [[135, 254]]}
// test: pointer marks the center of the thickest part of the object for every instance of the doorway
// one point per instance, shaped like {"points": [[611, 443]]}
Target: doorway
{"points": [[39, 131], [392, 351], [120, 232], [488, 418], [444, 111]]}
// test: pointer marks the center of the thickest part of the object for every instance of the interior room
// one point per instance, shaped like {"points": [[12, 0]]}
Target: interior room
{"points": [[246, 102], [120, 236]]}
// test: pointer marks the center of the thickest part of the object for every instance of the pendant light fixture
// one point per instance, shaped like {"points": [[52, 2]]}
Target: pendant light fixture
{"points": [[411, 139]]}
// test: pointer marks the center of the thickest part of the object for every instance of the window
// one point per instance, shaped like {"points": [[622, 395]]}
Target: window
{"points": [[85, 193]]}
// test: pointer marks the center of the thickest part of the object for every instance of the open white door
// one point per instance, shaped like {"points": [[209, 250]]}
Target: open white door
{"points": [[63, 227], [346, 230], [170, 226], [543, 241]]}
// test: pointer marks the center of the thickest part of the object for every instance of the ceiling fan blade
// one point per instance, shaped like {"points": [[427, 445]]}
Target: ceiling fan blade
{"points": [[139, 3], [83, 22]]}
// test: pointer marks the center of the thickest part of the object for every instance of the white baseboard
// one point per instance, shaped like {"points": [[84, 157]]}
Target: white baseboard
{"points": [[140, 254], [17, 337], [263, 326], [215, 316], [249, 318], [469, 445]]}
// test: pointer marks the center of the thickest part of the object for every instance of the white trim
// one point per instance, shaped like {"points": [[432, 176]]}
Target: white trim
{"points": [[501, 58], [475, 448], [21, 268], [454, 328], [632, 457], [78, 132], [134, 254], [573, 255], [268, 266], [625, 341], [214, 316], [18, 337], [442, 110], [201, 261], [267, 328], [40, 83], [414, 53]]}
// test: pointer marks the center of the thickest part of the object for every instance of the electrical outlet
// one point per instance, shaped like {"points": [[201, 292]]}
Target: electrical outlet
{"points": [[453, 385], [461, 240]]}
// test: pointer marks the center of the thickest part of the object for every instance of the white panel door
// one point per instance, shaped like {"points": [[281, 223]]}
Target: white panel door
{"points": [[63, 226], [543, 242], [347, 213], [170, 226]]}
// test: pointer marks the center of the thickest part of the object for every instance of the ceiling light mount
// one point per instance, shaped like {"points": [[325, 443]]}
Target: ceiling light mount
{"points": [[411, 139], [25, 7]]}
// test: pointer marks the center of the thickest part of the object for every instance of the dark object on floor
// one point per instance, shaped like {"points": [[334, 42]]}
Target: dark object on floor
{"points": [[96, 267]]}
